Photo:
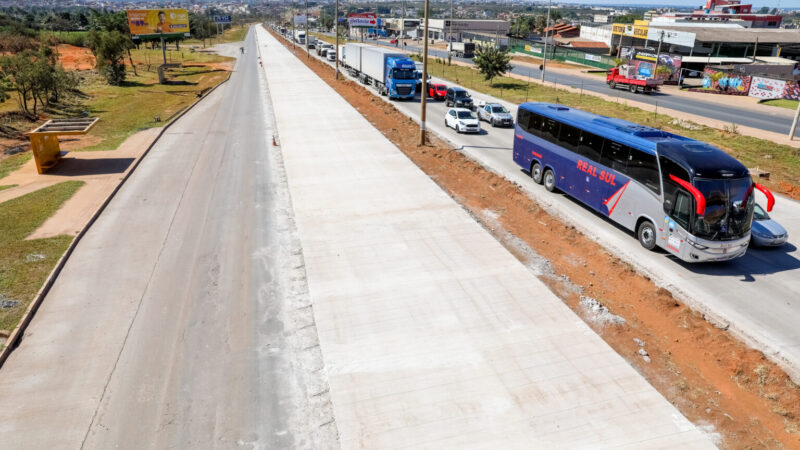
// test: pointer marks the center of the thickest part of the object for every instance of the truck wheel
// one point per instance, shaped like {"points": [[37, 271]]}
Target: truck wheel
{"points": [[612, 84], [632, 88], [647, 235], [536, 173], [549, 180]]}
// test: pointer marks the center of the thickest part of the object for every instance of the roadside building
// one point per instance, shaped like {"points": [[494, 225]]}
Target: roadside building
{"points": [[723, 11], [444, 29]]}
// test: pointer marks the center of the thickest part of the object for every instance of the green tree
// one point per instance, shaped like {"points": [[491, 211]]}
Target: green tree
{"points": [[109, 48], [492, 62], [37, 79]]}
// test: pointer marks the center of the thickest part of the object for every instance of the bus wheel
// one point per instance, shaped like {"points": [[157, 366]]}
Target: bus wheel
{"points": [[536, 173], [647, 235], [549, 180]]}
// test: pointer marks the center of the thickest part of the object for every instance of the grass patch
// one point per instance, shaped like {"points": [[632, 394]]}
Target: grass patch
{"points": [[782, 161], [25, 265], [330, 39], [782, 103], [124, 110], [13, 162], [8, 186]]}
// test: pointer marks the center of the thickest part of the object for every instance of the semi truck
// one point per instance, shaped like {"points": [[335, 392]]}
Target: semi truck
{"points": [[300, 37], [390, 72], [626, 77], [461, 49]]}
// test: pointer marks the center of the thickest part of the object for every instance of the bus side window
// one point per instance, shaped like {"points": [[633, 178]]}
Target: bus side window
{"points": [[524, 119], [569, 137], [590, 145], [615, 156], [550, 130], [682, 209], [643, 168]]}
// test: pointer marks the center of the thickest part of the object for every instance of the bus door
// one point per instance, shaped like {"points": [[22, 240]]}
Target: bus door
{"points": [[590, 148]]}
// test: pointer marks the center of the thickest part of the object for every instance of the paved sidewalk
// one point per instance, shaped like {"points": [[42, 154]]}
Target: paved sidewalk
{"points": [[434, 335]]}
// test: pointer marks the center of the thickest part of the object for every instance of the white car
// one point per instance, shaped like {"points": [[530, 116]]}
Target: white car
{"points": [[331, 55], [462, 120]]}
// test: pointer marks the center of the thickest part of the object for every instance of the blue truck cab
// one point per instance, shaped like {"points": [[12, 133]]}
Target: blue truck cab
{"points": [[401, 78]]}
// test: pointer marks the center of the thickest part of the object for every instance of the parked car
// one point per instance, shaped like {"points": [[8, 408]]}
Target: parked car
{"points": [[437, 91], [496, 114], [331, 55], [765, 230], [462, 120], [458, 97]]}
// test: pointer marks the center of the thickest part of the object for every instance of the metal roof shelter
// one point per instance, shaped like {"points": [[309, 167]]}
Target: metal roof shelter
{"points": [[44, 140]]}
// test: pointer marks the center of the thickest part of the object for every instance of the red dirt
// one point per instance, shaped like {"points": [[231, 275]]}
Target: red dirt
{"points": [[711, 377], [75, 58]]}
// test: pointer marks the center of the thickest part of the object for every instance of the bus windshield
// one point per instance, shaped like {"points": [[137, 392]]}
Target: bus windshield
{"points": [[729, 208]]}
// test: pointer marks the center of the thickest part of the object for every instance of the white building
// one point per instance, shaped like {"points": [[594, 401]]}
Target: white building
{"points": [[600, 33]]}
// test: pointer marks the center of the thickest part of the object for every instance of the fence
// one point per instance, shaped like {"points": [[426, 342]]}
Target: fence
{"points": [[562, 54]]}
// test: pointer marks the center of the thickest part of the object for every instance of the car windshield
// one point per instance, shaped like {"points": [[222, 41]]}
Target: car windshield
{"points": [[404, 74], [466, 115], [460, 94], [499, 109], [729, 208], [441, 88], [759, 213]]}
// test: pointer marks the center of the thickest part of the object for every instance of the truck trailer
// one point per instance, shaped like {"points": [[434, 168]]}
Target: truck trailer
{"points": [[461, 49], [392, 73]]}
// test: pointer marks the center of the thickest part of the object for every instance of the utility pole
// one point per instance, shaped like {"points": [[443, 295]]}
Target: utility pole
{"points": [[658, 53], [293, 33], [336, 30], [308, 54], [423, 95], [546, 32], [755, 49], [794, 123], [450, 33]]}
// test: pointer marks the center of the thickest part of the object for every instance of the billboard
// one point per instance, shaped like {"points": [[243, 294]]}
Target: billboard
{"points": [[766, 88], [299, 19], [222, 19], [363, 20], [149, 23]]}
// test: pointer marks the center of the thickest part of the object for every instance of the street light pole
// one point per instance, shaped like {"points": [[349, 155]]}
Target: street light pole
{"points": [[336, 30], [423, 95], [293, 33], [546, 31], [308, 55], [450, 33]]}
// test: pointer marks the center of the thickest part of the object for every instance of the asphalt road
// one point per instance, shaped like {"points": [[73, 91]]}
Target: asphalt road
{"points": [[778, 123], [756, 296], [181, 320]]}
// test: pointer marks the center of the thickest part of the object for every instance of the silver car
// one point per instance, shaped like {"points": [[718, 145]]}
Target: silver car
{"points": [[496, 114], [766, 231]]}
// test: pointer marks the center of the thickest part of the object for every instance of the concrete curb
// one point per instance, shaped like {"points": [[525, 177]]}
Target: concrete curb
{"points": [[16, 334]]}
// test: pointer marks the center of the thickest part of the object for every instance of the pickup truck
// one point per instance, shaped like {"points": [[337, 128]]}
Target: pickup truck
{"points": [[622, 77]]}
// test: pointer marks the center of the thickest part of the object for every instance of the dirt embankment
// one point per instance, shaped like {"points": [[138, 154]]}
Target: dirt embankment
{"points": [[75, 58], [711, 377]]}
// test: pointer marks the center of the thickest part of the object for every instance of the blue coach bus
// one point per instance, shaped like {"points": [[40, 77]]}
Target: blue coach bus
{"points": [[685, 196]]}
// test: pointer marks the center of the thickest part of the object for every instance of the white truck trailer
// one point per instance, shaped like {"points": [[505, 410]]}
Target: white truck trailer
{"points": [[392, 73]]}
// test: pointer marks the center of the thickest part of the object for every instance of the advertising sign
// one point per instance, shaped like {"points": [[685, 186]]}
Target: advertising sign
{"points": [[766, 88], [300, 19], [682, 38], [222, 19], [149, 23], [363, 20]]}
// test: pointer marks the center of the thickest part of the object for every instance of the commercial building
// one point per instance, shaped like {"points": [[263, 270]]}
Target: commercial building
{"points": [[445, 29], [723, 11]]}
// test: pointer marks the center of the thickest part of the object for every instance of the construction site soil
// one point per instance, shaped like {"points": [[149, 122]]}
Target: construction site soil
{"points": [[721, 385]]}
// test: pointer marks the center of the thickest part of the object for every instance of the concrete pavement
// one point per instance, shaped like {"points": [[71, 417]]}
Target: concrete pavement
{"points": [[433, 335], [724, 292], [182, 318]]}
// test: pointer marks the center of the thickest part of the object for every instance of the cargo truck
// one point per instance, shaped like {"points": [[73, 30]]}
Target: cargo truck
{"points": [[392, 73], [461, 49], [627, 78], [300, 37]]}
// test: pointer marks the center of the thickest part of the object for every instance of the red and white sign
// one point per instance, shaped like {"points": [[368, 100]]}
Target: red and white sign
{"points": [[766, 88], [363, 20]]}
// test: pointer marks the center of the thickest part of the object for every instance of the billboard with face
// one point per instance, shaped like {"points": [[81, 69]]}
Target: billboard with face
{"points": [[149, 23]]}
